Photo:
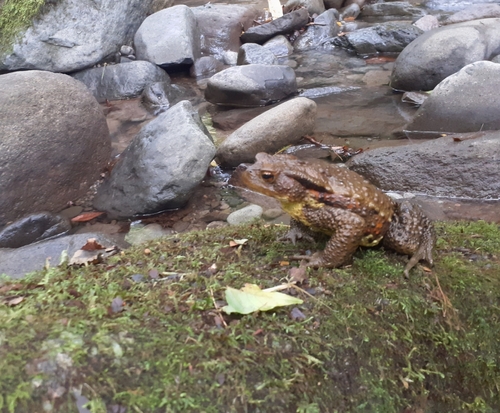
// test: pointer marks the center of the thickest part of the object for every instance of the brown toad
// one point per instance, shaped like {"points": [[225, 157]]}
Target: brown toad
{"points": [[333, 200]]}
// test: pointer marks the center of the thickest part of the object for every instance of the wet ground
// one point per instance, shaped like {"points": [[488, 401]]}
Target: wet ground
{"points": [[356, 107]]}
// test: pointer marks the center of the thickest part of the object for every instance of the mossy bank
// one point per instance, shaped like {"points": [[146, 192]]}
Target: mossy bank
{"points": [[143, 332]]}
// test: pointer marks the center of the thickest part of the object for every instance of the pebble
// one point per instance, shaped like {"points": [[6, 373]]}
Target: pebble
{"points": [[245, 215]]}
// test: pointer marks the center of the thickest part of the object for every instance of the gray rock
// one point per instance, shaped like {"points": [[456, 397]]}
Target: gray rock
{"points": [[126, 50], [253, 53], [158, 5], [169, 38], [394, 10], [54, 142], [442, 167], [205, 66], [140, 234], [269, 132], [158, 97], [73, 35], [220, 26], [121, 81], [283, 25], [477, 11], [161, 167], [279, 45], [16, 263], [439, 53], [245, 215], [333, 4], [312, 6], [428, 22], [251, 85], [230, 58], [391, 37], [350, 12], [467, 101], [325, 27], [33, 228]]}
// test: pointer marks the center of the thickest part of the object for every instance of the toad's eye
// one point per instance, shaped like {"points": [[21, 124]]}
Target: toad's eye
{"points": [[267, 176]]}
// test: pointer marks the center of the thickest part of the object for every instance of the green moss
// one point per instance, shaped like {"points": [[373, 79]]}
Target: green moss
{"points": [[371, 340], [15, 17]]}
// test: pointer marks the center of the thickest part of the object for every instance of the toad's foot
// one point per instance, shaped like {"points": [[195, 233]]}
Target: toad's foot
{"points": [[315, 260], [295, 234]]}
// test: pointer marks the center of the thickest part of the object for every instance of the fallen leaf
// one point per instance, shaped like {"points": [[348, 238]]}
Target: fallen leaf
{"points": [[86, 216], [92, 245], [297, 274], [15, 301], [153, 274], [147, 251], [237, 242], [251, 298], [284, 263], [82, 257]]}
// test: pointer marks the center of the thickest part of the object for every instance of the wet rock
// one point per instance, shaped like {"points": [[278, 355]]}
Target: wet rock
{"points": [[280, 126], [443, 167], [350, 12], [205, 66], [158, 97], [325, 27], [140, 234], [169, 38], [220, 26], [33, 228], [467, 101], [283, 25], [251, 85], [439, 53], [158, 5], [394, 10], [279, 45], [72, 36], [121, 81], [54, 142], [161, 167], [391, 37], [428, 22], [19, 261], [253, 53], [312, 6], [245, 215], [333, 4], [477, 11]]}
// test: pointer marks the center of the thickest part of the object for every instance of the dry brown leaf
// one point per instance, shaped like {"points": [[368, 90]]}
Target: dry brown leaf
{"points": [[297, 274], [92, 245], [86, 216], [15, 301]]}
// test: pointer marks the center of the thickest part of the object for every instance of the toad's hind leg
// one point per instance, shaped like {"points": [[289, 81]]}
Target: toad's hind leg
{"points": [[347, 229]]}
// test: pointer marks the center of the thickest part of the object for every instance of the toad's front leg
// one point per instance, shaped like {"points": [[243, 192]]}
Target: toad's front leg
{"points": [[346, 229]]}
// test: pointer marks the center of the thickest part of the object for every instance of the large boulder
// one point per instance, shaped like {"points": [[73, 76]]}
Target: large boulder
{"points": [[460, 166], [169, 38], [439, 53], [467, 101], [121, 81], [251, 85], [161, 167], [73, 35], [220, 26], [269, 132], [54, 142]]}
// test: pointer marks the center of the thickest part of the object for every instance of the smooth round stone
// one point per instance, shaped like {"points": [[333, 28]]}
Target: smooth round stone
{"points": [[245, 215]]}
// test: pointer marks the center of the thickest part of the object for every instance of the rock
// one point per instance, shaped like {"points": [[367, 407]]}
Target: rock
{"points": [[158, 5], [161, 167], [439, 53], [245, 215], [467, 101], [54, 142], [280, 126], [391, 37], [230, 58], [283, 25], [253, 53], [33, 228], [442, 167], [127, 50], [205, 66], [350, 12], [394, 10], [220, 26], [158, 97], [73, 35], [251, 85], [169, 38], [428, 22], [333, 4], [477, 11], [325, 27], [279, 45], [121, 81], [312, 6], [16, 263], [139, 234]]}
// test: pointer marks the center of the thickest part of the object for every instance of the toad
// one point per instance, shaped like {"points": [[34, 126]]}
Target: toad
{"points": [[325, 198]]}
